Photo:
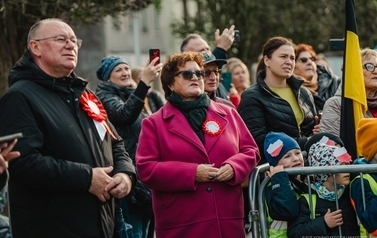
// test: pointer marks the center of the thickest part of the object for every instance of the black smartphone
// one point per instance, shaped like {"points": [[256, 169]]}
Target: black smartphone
{"points": [[10, 138], [237, 37], [336, 44], [153, 53], [226, 80]]}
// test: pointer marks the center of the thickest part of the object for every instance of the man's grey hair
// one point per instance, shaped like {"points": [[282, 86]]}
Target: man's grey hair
{"points": [[34, 28], [187, 39]]}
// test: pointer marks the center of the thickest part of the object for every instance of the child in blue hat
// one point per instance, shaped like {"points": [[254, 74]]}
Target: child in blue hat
{"points": [[281, 152]]}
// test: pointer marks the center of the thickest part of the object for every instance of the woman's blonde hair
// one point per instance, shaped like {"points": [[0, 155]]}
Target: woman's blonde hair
{"points": [[135, 71], [233, 63], [366, 53]]}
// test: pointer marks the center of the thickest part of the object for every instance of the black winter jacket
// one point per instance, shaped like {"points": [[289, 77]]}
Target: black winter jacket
{"points": [[328, 83], [281, 197], [49, 183], [263, 111], [124, 107], [155, 100]]}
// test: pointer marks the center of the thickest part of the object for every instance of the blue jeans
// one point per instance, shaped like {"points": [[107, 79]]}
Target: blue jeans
{"points": [[138, 215]]}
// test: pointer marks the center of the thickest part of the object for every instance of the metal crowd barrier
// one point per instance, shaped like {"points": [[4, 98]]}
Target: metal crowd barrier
{"points": [[254, 183], [257, 215]]}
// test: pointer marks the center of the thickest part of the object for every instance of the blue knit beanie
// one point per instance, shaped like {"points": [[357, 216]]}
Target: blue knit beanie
{"points": [[107, 65], [276, 145]]}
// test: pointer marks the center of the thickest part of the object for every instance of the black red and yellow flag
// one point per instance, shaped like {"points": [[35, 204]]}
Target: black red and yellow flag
{"points": [[354, 103]]}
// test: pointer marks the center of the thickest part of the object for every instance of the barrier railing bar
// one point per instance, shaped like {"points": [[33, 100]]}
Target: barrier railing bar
{"points": [[368, 168]]}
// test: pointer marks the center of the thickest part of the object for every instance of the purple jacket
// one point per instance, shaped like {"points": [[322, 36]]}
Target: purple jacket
{"points": [[167, 157]]}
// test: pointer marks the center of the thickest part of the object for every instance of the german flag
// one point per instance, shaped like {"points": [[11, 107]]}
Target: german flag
{"points": [[354, 103]]}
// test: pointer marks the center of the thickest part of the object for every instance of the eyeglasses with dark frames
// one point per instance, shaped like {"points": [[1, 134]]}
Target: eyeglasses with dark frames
{"points": [[305, 59], [63, 40], [208, 73], [369, 67], [188, 75]]}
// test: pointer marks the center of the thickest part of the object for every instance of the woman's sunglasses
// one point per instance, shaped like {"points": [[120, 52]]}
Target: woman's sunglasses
{"points": [[305, 59], [188, 75]]}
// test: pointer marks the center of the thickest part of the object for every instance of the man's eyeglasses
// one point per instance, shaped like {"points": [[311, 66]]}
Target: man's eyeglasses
{"points": [[208, 73], [188, 75], [370, 67], [61, 39], [305, 59]]}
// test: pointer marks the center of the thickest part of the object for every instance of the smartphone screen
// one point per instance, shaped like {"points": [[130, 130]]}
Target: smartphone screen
{"points": [[10, 138], [237, 37], [153, 53], [226, 80]]}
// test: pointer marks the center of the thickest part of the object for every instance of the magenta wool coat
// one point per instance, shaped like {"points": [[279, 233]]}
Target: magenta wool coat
{"points": [[167, 157]]}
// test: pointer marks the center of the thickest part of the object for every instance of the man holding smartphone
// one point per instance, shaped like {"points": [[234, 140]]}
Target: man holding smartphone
{"points": [[194, 42]]}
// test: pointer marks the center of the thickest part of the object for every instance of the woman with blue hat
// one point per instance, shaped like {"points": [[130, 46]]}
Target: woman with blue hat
{"points": [[125, 108]]}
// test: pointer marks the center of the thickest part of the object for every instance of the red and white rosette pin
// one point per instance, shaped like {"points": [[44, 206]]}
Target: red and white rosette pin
{"points": [[94, 109], [211, 127]]}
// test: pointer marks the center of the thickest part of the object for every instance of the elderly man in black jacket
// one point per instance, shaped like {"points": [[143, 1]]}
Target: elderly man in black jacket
{"points": [[73, 164]]}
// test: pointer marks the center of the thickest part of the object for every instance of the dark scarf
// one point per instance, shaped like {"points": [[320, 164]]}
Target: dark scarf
{"points": [[372, 102], [194, 111]]}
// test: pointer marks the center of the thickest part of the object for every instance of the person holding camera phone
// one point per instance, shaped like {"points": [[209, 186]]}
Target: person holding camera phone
{"points": [[240, 74], [73, 165], [238, 79], [194, 42], [125, 107]]}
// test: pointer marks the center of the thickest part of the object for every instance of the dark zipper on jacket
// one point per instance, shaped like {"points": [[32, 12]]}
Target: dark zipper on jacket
{"points": [[303, 114]]}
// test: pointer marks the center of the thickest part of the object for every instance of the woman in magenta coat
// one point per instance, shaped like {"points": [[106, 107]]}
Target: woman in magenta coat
{"points": [[194, 154]]}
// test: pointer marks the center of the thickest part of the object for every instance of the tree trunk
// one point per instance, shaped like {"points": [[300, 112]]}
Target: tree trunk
{"points": [[13, 34], [5, 65], [4, 71]]}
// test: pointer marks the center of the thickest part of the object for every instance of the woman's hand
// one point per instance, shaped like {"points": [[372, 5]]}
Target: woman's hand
{"points": [[225, 173], [205, 173], [151, 71], [232, 90]]}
